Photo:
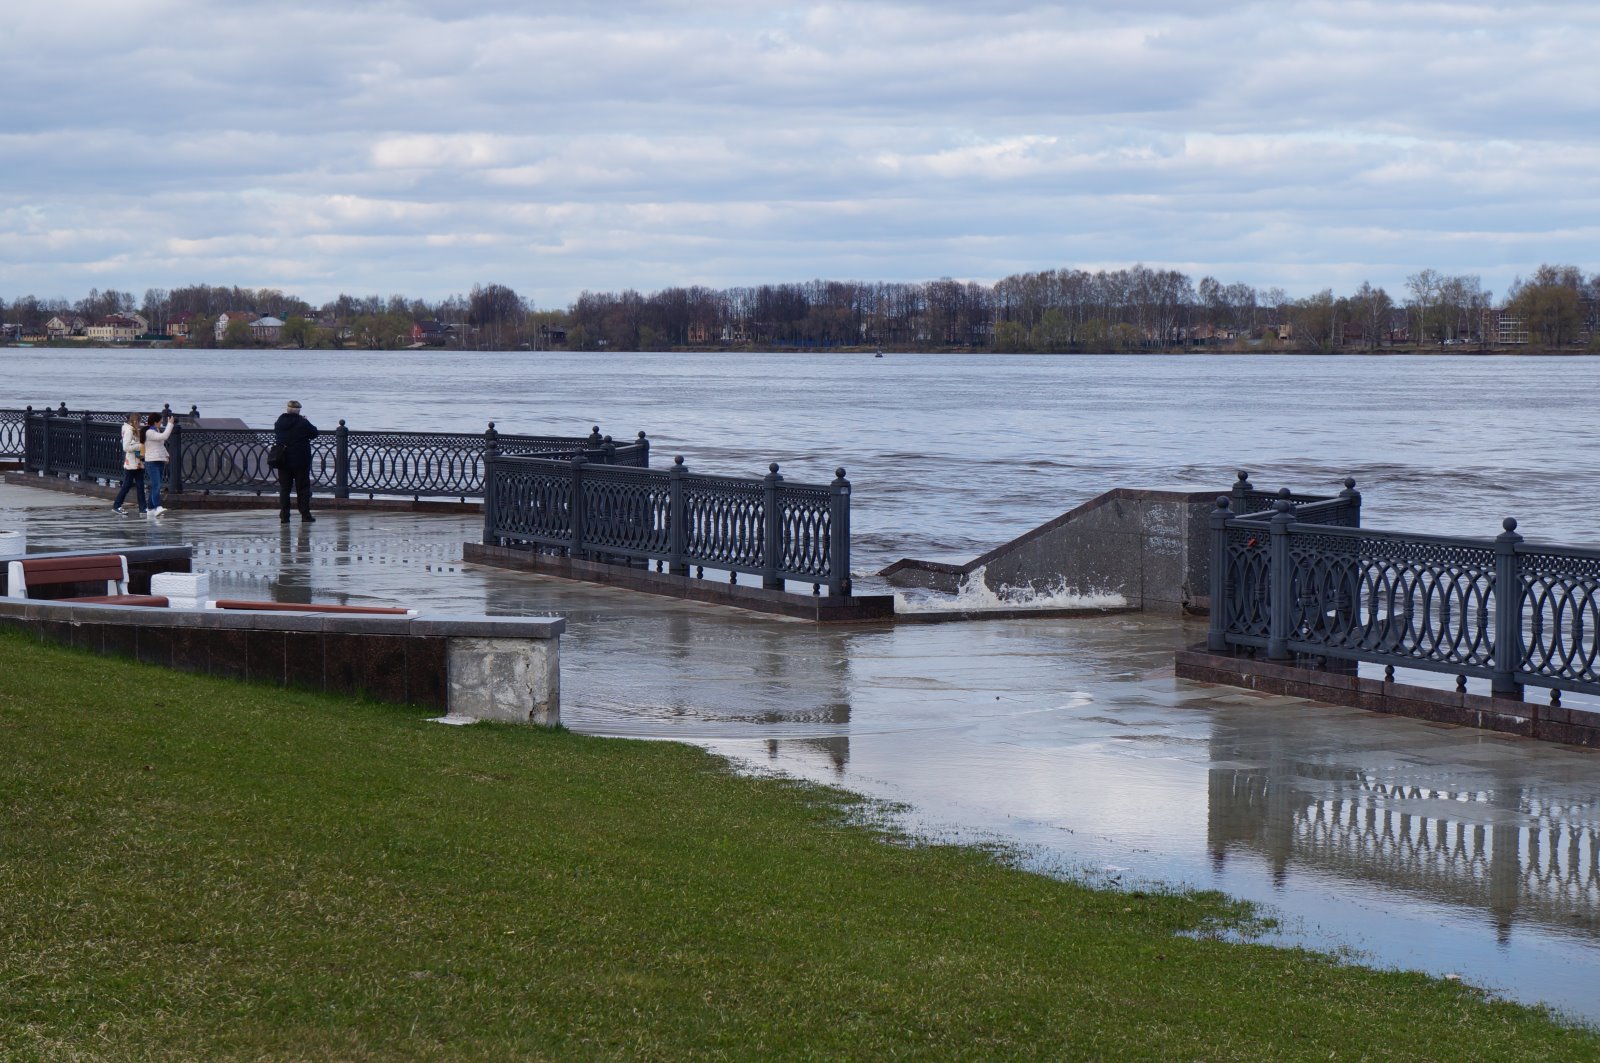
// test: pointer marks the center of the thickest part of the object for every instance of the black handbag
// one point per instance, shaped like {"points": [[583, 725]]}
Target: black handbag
{"points": [[275, 456]]}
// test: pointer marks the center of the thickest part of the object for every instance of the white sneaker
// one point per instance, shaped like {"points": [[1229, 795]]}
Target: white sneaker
{"points": [[158, 511]]}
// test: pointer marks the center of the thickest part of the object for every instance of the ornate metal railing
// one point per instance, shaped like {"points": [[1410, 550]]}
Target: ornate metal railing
{"points": [[766, 527], [13, 441], [1342, 510], [1500, 609], [343, 462]]}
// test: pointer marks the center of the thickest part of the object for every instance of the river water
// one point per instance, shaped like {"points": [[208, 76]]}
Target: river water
{"points": [[1398, 842], [951, 455]]}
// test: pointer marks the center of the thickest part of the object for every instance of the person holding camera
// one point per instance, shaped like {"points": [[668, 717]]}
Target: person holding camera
{"points": [[157, 430], [294, 435]]}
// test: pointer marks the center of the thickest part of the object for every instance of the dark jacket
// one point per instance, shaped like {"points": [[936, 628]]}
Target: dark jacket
{"points": [[296, 434]]}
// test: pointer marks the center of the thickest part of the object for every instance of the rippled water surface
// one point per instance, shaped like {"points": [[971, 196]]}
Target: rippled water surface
{"points": [[1439, 848], [951, 455]]}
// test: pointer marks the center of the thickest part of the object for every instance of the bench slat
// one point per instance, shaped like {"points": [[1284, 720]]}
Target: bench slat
{"points": [[154, 601]]}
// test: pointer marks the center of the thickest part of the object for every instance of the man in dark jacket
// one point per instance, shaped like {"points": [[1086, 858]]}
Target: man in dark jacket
{"points": [[295, 434]]}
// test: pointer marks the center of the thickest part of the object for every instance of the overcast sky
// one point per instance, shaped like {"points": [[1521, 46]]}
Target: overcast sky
{"points": [[421, 147]]}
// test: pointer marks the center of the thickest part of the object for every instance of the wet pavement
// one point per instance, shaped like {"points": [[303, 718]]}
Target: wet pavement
{"points": [[1397, 842]]}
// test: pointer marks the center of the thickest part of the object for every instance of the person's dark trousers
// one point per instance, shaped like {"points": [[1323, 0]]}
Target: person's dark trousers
{"points": [[132, 478], [300, 481]]}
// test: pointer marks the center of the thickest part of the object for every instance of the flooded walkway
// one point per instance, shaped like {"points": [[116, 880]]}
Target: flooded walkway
{"points": [[1399, 842]]}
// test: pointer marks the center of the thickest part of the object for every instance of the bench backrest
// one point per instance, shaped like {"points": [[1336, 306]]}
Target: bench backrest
{"points": [[53, 571]]}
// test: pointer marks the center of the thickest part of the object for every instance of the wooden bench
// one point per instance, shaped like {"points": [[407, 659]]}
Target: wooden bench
{"points": [[308, 607], [32, 573]]}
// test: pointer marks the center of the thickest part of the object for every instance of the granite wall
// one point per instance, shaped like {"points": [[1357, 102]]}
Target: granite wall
{"points": [[431, 661], [1152, 547]]}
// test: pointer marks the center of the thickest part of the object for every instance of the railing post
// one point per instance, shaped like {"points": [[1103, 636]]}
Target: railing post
{"points": [[1352, 499], [44, 443], [677, 520], [772, 529], [1217, 632], [1241, 488], [644, 445], [175, 451], [1280, 601], [83, 464], [194, 411], [609, 451], [839, 535], [28, 448], [1507, 612], [341, 461], [575, 548], [491, 515]]}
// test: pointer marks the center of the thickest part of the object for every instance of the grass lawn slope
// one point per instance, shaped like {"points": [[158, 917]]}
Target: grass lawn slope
{"points": [[197, 869]]}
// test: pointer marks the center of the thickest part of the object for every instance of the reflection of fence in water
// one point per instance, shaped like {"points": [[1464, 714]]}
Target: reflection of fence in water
{"points": [[250, 555], [1506, 849]]}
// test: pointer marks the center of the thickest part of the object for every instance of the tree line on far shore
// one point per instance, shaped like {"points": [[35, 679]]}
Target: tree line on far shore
{"points": [[1063, 310]]}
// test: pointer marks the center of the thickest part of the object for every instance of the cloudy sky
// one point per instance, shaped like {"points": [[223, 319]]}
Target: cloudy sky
{"points": [[421, 147]]}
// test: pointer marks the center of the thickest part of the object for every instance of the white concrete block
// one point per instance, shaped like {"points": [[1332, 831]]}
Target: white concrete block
{"points": [[181, 584], [13, 542], [514, 680], [183, 590]]}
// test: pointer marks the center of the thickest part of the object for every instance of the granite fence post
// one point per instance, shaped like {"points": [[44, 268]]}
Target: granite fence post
{"points": [[677, 520], [772, 528], [1280, 602], [1507, 612]]}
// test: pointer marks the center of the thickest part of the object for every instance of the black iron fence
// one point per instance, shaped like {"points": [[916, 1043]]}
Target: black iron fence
{"points": [[1500, 609], [13, 424], [344, 462], [680, 520]]}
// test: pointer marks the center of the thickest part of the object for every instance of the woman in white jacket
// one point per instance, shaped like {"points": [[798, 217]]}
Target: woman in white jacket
{"points": [[156, 433], [132, 464]]}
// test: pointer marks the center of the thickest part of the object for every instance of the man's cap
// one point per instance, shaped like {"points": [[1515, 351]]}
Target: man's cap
{"points": [[294, 405]]}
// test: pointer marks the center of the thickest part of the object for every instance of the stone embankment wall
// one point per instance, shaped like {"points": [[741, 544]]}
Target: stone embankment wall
{"points": [[481, 667], [1152, 547], [1547, 722]]}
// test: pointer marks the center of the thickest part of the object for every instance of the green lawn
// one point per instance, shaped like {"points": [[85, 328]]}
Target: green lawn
{"points": [[198, 869]]}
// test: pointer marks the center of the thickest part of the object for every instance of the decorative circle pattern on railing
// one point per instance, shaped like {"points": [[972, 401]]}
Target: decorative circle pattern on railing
{"points": [[1561, 616], [724, 522]]}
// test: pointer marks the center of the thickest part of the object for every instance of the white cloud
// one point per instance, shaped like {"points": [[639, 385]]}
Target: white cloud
{"points": [[424, 145]]}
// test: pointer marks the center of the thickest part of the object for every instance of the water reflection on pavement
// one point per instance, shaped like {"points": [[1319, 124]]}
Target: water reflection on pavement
{"points": [[1405, 843]]}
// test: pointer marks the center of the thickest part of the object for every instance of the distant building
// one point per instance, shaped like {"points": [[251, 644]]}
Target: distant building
{"points": [[1503, 329], [178, 327], [267, 329], [432, 332], [60, 326], [115, 328], [228, 317]]}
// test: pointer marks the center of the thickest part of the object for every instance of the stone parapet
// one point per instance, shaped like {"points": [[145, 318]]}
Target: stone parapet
{"points": [[425, 660], [1150, 546], [822, 609], [1549, 723]]}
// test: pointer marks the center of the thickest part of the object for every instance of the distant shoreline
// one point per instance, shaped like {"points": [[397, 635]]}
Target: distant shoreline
{"points": [[1200, 352]]}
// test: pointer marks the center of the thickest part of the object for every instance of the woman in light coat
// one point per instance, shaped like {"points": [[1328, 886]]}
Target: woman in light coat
{"points": [[156, 433], [132, 464]]}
